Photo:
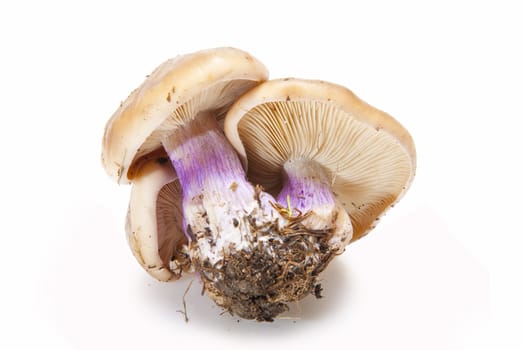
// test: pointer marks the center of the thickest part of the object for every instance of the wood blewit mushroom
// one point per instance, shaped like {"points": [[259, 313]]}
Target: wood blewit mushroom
{"points": [[253, 255]]}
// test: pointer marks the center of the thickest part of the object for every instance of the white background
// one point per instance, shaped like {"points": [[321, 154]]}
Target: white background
{"points": [[441, 271]]}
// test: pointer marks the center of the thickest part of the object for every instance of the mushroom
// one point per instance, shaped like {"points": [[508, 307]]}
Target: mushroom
{"points": [[132, 151], [154, 221], [253, 255], [325, 151]]}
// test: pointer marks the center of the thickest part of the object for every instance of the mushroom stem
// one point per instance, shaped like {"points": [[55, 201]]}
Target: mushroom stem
{"points": [[307, 189], [306, 184], [205, 162], [215, 191], [251, 257]]}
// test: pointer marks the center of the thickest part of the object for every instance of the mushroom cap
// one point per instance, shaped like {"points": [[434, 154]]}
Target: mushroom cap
{"points": [[368, 155], [154, 218], [173, 94]]}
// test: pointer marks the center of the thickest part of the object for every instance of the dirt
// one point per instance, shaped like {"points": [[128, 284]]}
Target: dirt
{"points": [[281, 266]]}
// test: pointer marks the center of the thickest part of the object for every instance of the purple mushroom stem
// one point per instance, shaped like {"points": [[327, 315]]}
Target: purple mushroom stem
{"points": [[307, 190], [305, 187]]}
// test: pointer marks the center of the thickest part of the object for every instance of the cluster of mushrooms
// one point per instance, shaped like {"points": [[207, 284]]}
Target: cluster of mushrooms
{"points": [[255, 185]]}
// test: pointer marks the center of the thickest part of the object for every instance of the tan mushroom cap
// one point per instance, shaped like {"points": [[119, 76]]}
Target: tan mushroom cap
{"points": [[154, 219], [369, 156], [172, 95]]}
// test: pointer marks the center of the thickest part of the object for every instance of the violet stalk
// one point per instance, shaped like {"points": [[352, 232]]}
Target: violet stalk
{"points": [[307, 189], [251, 254]]}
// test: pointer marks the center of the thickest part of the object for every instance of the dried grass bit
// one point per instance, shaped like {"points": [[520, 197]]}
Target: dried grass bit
{"points": [[184, 312]]}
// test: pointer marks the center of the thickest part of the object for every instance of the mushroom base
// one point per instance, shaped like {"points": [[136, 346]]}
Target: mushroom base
{"points": [[280, 266]]}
